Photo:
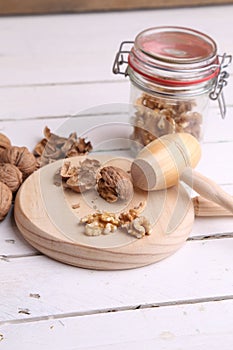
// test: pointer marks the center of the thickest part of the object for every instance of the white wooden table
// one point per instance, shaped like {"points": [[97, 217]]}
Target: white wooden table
{"points": [[51, 68]]}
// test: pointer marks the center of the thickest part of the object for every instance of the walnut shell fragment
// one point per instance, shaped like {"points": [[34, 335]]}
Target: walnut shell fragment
{"points": [[5, 200], [11, 176], [80, 178], [114, 184], [53, 147], [67, 170], [20, 157]]}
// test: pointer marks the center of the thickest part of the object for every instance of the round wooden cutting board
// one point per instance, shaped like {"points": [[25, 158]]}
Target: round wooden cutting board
{"points": [[48, 217]]}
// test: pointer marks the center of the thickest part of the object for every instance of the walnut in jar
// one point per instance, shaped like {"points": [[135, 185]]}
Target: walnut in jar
{"points": [[155, 117]]}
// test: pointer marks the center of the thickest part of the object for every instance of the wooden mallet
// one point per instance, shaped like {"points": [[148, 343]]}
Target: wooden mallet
{"points": [[165, 161]]}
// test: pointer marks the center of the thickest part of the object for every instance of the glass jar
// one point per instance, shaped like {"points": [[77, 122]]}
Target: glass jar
{"points": [[174, 72]]}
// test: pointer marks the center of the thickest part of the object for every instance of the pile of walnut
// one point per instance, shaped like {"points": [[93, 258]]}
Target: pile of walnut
{"points": [[105, 223], [112, 184], [53, 147], [16, 164], [155, 117]]}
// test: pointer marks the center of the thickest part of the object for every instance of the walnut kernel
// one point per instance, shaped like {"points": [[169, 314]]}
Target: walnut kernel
{"points": [[105, 223], [100, 223], [139, 227]]}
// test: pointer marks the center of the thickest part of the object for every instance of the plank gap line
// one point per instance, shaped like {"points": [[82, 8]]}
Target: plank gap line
{"points": [[60, 83], [211, 236], [81, 115], [119, 309]]}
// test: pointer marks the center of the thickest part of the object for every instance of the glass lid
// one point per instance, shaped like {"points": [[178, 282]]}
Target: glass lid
{"points": [[176, 45]]}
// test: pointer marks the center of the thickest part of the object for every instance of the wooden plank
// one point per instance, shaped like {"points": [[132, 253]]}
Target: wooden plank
{"points": [[29, 102], [71, 55], [12, 242], [29, 132], [215, 226], [212, 163], [61, 6], [207, 264], [67, 100], [200, 325]]}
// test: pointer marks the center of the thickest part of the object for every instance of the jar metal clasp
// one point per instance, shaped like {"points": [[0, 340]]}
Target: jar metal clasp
{"points": [[221, 82], [122, 58]]}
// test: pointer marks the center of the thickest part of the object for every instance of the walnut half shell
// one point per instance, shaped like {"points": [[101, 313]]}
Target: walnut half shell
{"points": [[82, 177], [114, 184]]}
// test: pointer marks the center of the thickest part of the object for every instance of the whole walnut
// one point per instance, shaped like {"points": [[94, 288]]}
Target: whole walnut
{"points": [[4, 142], [20, 157], [5, 200], [11, 176], [114, 184]]}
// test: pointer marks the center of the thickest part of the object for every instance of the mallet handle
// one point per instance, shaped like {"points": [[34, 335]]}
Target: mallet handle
{"points": [[207, 188]]}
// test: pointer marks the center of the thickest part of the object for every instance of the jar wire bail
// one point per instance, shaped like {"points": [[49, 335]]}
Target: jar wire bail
{"points": [[221, 82], [121, 58]]}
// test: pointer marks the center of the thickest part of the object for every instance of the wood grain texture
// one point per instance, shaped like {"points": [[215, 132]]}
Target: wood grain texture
{"points": [[50, 230], [199, 270], [208, 189], [199, 323], [204, 207], [62, 6], [161, 163]]}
